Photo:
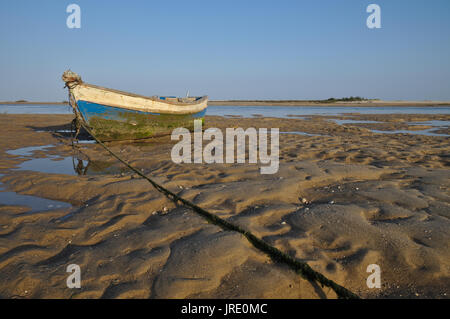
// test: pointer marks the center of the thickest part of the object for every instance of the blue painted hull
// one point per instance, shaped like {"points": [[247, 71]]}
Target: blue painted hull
{"points": [[112, 123]]}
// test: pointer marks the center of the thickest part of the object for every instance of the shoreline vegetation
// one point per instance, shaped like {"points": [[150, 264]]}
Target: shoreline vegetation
{"points": [[346, 101]]}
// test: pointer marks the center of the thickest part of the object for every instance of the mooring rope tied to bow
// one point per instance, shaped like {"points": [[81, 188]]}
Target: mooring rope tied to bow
{"points": [[301, 268]]}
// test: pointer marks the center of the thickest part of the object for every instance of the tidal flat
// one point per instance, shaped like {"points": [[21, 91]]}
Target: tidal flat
{"points": [[351, 190]]}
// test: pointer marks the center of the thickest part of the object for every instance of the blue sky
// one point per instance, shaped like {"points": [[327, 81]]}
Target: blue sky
{"points": [[230, 49]]}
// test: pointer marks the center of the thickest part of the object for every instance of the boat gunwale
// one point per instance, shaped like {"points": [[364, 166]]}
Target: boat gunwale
{"points": [[152, 98]]}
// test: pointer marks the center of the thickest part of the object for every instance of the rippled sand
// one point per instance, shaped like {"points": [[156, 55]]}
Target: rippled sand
{"points": [[340, 202]]}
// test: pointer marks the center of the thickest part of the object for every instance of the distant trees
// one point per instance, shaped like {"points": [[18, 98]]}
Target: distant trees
{"points": [[346, 99]]}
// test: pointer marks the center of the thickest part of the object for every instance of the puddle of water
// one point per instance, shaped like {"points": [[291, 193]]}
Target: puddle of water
{"points": [[301, 133], [341, 122], [49, 165], [436, 123], [36, 204], [70, 166], [299, 117], [27, 151], [64, 131], [428, 132], [82, 167], [87, 141]]}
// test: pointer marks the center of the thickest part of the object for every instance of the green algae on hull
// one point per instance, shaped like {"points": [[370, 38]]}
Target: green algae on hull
{"points": [[139, 126]]}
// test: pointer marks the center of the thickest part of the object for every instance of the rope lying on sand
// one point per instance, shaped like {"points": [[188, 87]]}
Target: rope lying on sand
{"points": [[299, 267]]}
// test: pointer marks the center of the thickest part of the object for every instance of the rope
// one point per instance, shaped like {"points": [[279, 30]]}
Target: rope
{"points": [[301, 268]]}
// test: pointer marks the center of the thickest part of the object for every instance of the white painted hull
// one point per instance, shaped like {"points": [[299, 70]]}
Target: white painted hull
{"points": [[99, 95]]}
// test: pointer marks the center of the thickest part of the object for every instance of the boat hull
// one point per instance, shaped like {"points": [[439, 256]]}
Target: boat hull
{"points": [[110, 123], [129, 101]]}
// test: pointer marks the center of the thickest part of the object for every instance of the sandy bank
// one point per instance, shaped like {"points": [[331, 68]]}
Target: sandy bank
{"points": [[369, 198]]}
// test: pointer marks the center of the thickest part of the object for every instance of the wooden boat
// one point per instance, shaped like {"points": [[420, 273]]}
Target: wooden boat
{"points": [[116, 115]]}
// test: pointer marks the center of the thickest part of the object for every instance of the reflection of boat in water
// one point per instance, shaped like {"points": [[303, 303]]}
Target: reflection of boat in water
{"points": [[80, 167], [116, 115], [91, 167]]}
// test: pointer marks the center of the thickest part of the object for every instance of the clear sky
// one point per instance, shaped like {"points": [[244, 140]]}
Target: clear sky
{"points": [[228, 49]]}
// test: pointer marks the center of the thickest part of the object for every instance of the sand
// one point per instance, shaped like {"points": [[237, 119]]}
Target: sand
{"points": [[340, 202]]}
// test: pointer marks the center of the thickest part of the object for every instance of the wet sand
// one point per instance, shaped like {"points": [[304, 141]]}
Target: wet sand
{"points": [[344, 198]]}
